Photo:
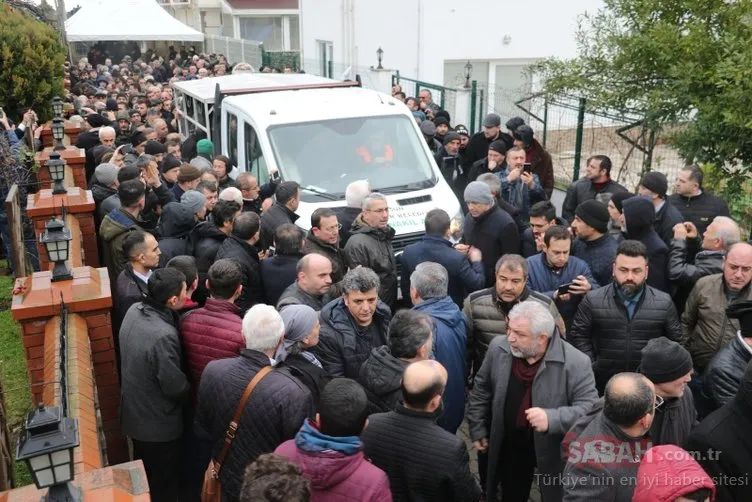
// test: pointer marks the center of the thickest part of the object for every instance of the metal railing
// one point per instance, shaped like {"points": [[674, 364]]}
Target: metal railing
{"points": [[235, 50]]}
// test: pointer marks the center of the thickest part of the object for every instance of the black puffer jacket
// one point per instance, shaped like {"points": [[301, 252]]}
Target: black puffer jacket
{"points": [[274, 413], [639, 214], [381, 377], [247, 257], [495, 233], [700, 209], [683, 274], [665, 220], [100, 193], [174, 230], [725, 371], [294, 295], [481, 167], [341, 349], [206, 239], [423, 461], [582, 190], [372, 248], [603, 331]]}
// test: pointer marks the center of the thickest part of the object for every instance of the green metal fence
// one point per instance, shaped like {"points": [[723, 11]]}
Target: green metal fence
{"points": [[445, 97]]}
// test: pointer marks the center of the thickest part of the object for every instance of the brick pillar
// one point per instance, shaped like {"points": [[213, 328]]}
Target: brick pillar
{"points": [[79, 204], [88, 295], [75, 166], [71, 134]]}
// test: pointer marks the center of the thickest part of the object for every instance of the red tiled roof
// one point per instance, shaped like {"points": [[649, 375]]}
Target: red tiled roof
{"points": [[263, 4]]}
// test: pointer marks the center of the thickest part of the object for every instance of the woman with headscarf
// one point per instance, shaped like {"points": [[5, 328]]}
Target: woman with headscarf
{"points": [[301, 333]]}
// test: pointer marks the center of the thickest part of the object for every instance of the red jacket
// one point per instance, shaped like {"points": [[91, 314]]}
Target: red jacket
{"points": [[211, 332], [666, 473]]}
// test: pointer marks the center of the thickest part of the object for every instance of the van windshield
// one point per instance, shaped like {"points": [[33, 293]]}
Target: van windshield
{"points": [[325, 157]]}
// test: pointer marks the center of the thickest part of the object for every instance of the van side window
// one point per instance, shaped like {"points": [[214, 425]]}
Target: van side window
{"points": [[254, 157], [232, 138]]}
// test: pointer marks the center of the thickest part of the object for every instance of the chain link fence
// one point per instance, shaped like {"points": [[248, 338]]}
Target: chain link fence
{"points": [[235, 50]]}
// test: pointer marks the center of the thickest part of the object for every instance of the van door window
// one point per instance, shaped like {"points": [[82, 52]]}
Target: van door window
{"points": [[254, 157], [232, 138]]}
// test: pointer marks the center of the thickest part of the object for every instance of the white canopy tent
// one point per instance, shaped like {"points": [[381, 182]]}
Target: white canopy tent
{"points": [[127, 20]]}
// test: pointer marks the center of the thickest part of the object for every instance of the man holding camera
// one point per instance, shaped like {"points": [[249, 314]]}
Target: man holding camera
{"points": [[519, 186]]}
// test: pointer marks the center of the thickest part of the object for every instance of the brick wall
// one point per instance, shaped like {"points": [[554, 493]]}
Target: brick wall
{"points": [[75, 159]]}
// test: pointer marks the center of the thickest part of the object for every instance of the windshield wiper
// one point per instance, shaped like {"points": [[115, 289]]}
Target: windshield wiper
{"points": [[321, 193]]}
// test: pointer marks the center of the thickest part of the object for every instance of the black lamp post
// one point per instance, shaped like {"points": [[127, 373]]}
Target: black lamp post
{"points": [[468, 73], [58, 133], [56, 166], [380, 57], [56, 239], [47, 448], [57, 106]]}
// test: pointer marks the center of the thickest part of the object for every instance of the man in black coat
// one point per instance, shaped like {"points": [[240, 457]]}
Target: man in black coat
{"points": [[353, 325], [594, 245], [654, 185], [283, 211], [466, 273], [410, 340], [638, 217], [240, 246], [422, 460], [323, 238], [724, 436], [276, 410], [176, 223], [311, 287], [488, 228], [355, 193], [542, 217], [281, 270], [597, 184], [207, 237], [477, 147], [494, 162], [615, 322], [694, 203]]}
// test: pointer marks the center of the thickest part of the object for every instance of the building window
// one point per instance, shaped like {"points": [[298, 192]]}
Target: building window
{"points": [[294, 33], [267, 30]]}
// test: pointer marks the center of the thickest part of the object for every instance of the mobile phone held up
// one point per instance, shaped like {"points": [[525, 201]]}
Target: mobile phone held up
{"points": [[563, 289], [527, 167]]}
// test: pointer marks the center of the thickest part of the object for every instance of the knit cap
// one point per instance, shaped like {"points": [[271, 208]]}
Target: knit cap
{"points": [[194, 199], [479, 192], [595, 214]]}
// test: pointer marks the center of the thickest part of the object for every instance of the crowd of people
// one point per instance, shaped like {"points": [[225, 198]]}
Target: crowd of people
{"points": [[583, 350]]}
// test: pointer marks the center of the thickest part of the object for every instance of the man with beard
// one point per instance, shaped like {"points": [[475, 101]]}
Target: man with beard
{"points": [[615, 322], [448, 160], [495, 161], [597, 184], [477, 147]]}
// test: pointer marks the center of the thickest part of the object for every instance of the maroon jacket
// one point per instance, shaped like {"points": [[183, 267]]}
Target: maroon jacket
{"points": [[336, 477], [211, 332]]}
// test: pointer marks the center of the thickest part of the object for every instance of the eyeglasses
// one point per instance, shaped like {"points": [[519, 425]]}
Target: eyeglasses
{"points": [[658, 401]]}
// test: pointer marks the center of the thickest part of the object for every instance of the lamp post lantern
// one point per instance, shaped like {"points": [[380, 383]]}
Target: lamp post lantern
{"points": [[46, 446], [380, 57], [56, 166], [58, 133], [56, 239], [468, 73], [57, 106]]}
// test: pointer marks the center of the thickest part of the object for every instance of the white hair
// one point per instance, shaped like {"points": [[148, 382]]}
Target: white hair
{"points": [[727, 231], [373, 196], [232, 194], [540, 318], [356, 192], [243, 68], [106, 129], [430, 280], [263, 328]]}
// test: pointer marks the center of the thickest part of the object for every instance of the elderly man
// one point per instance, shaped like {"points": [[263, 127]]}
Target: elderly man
{"points": [[353, 325], [593, 471], [253, 194], [488, 228], [323, 238], [370, 245], [466, 273], [428, 292], [314, 278], [530, 379], [355, 193], [262, 428], [519, 187]]}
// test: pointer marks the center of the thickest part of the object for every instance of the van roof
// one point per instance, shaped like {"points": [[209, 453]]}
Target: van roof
{"points": [[307, 105], [204, 88]]}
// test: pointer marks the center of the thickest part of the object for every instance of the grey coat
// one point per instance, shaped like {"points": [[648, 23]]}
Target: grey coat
{"points": [[564, 387], [154, 386]]}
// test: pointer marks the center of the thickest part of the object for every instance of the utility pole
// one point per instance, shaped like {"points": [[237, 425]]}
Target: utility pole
{"points": [[61, 17]]}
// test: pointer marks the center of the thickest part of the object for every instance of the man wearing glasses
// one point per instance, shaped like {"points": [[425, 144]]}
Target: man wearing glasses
{"points": [[604, 448], [323, 238]]}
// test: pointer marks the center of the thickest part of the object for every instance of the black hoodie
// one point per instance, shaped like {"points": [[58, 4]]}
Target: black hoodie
{"points": [[639, 215], [381, 377], [174, 229]]}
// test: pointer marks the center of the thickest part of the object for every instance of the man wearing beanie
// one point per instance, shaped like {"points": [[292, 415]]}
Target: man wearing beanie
{"points": [[428, 129], [494, 162], [638, 217], [205, 148], [442, 127], [448, 160], [597, 184], [464, 137], [669, 366], [615, 211], [654, 185], [594, 245], [488, 228], [477, 147], [170, 168], [188, 178], [725, 371], [156, 149], [196, 202]]}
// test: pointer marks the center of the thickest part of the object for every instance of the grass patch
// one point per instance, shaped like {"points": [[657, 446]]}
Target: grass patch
{"points": [[13, 374]]}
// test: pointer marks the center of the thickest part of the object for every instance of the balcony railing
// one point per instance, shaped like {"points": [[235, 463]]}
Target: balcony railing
{"points": [[175, 3]]}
